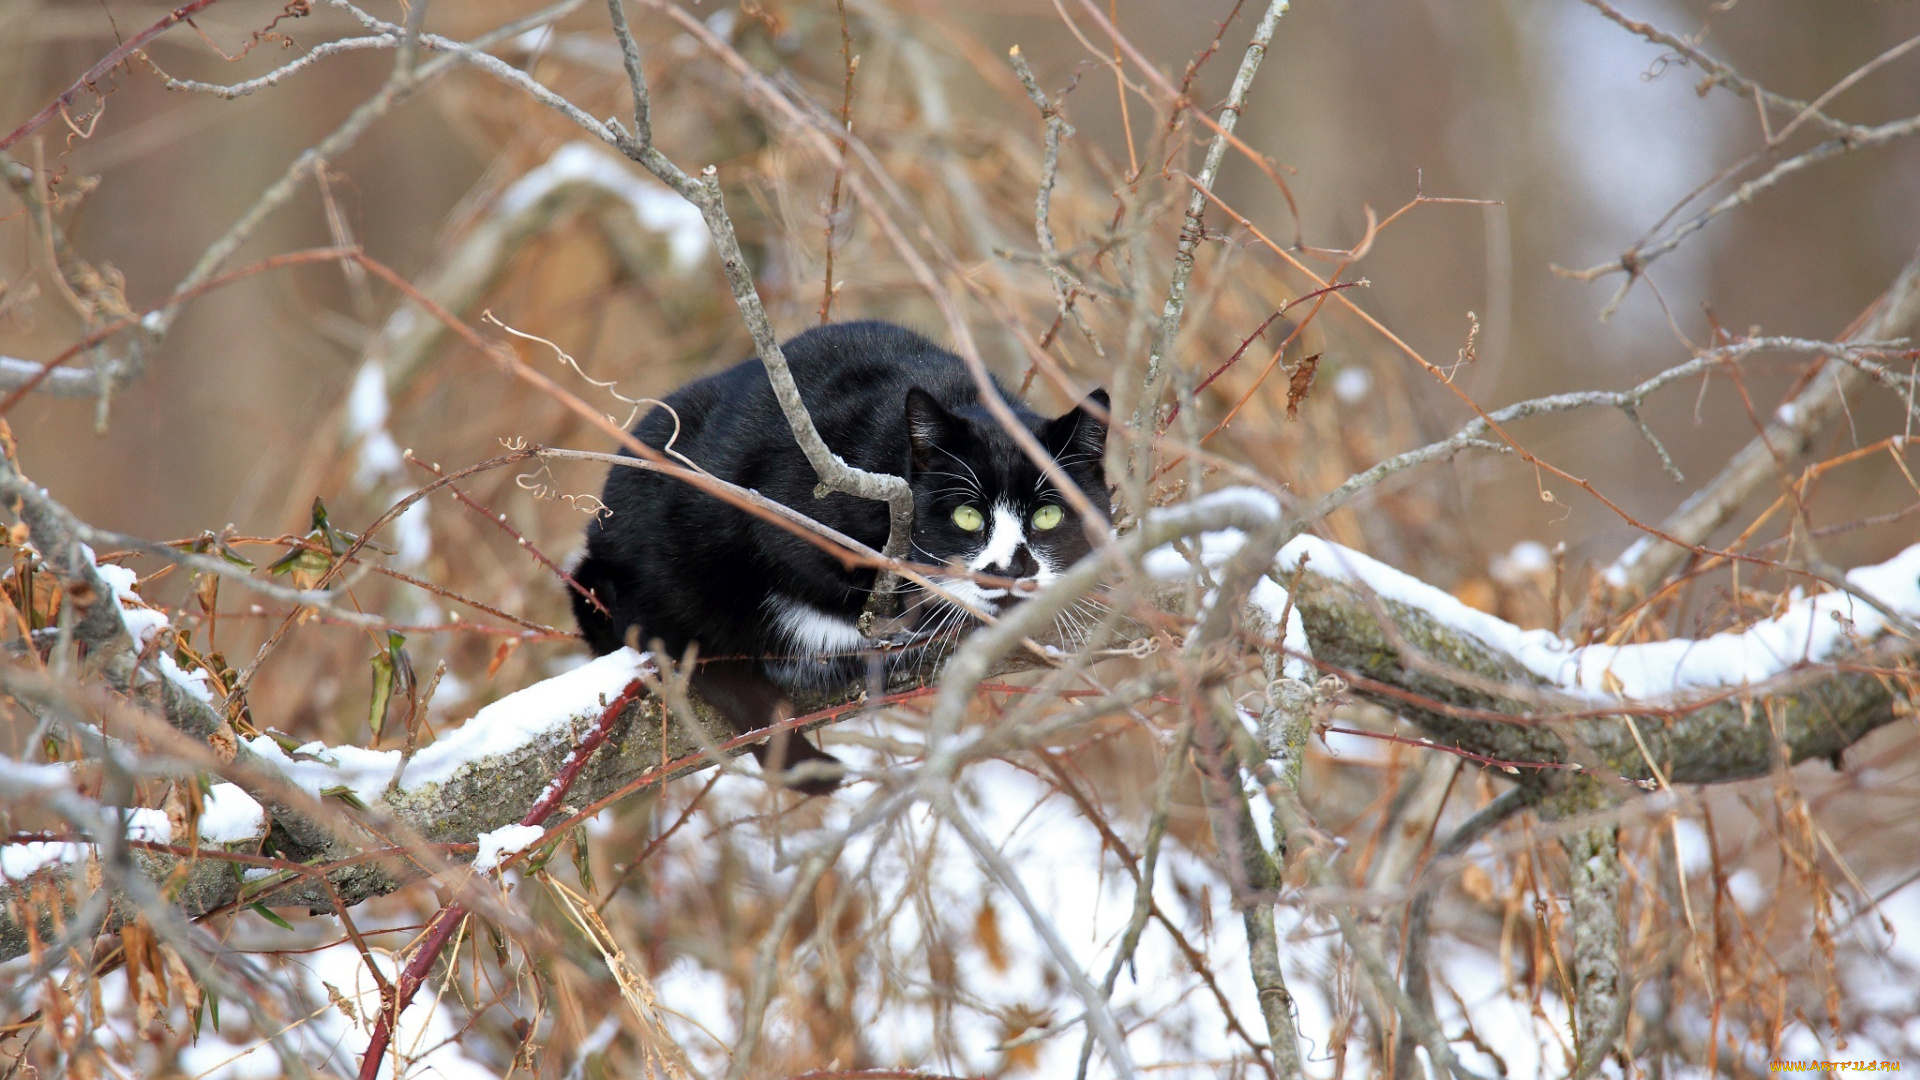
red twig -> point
(107, 63)
(448, 919)
(1249, 339)
(500, 522)
(667, 769)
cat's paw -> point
(792, 762)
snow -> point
(412, 536)
(367, 407)
(1809, 631)
(1747, 891)
(144, 624)
(1271, 599)
(1696, 854)
(21, 861)
(533, 40)
(544, 711)
(20, 779)
(378, 455)
(1528, 558)
(1267, 595)
(149, 826)
(658, 209)
(1616, 575)
(1071, 877)
(229, 815)
(1352, 384)
(505, 841)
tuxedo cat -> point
(771, 612)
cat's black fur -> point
(771, 612)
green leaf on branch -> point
(392, 676)
(266, 913)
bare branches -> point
(1789, 433)
(636, 78)
(1635, 262)
(1099, 1016)
(1146, 410)
(1845, 138)
(103, 66)
(1600, 1003)
(273, 78)
(1477, 699)
(1291, 819)
(1723, 74)
(1064, 283)
(1014, 855)
(1418, 978)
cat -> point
(771, 613)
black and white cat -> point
(771, 612)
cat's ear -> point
(1081, 431)
(929, 426)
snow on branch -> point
(1810, 631)
(1467, 677)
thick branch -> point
(1460, 689)
(1599, 1009)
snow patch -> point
(533, 40)
(1747, 891)
(19, 862)
(331, 1043)
(505, 841)
(412, 536)
(1516, 567)
(1809, 631)
(1273, 600)
(229, 815)
(144, 624)
(658, 209)
(545, 710)
(378, 455)
(1352, 384)
(149, 826)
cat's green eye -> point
(1048, 517)
(969, 518)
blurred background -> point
(1571, 137)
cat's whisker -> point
(950, 618)
(958, 460)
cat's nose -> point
(1022, 565)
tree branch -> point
(1789, 434)
(1153, 383)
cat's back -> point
(853, 378)
(871, 358)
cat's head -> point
(983, 506)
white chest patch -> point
(1005, 538)
(813, 632)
